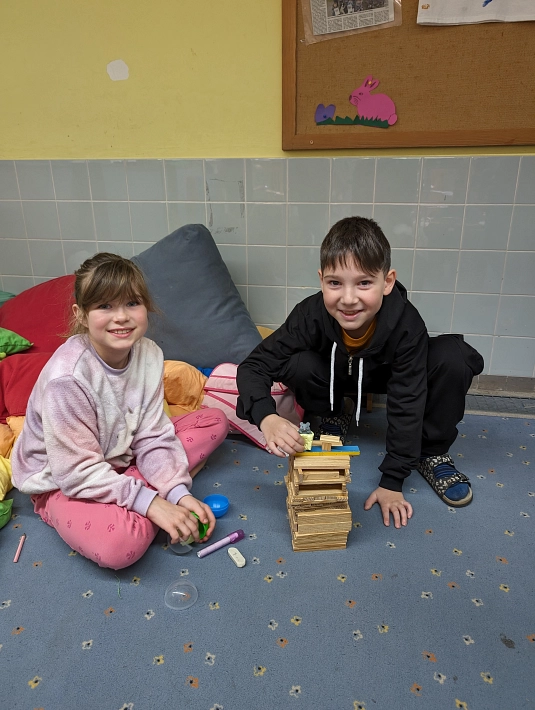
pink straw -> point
(19, 548)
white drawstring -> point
(331, 384)
(359, 391)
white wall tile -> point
(461, 229)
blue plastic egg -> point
(218, 504)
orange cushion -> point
(7, 439)
(183, 386)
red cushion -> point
(41, 314)
(18, 375)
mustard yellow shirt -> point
(353, 345)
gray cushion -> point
(204, 321)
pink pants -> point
(114, 536)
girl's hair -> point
(359, 240)
(104, 278)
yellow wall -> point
(204, 80)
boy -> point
(361, 334)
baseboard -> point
(503, 386)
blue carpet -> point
(438, 615)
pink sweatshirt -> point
(84, 420)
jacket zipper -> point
(350, 365)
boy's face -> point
(353, 297)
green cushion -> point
(5, 511)
(11, 343)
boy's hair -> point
(104, 278)
(356, 239)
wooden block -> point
(324, 469)
(320, 483)
(319, 515)
(326, 442)
(305, 504)
(319, 541)
(320, 521)
(340, 516)
(325, 460)
(309, 502)
(302, 472)
(297, 547)
(320, 490)
(311, 507)
(316, 493)
(307, 507)
(328, 439)
(321, 471)
(325, 476)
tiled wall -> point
(462, 229)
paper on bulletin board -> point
(467, 12)
(330, 19)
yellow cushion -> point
(5, 477)
(264, 332)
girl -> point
(97, 453)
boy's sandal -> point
(441, 485)
(336, 425)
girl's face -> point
(113, 328)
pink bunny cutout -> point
(373, 106)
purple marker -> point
(233, 537)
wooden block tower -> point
(318, 509)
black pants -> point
(451, 365)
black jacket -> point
(398, 347)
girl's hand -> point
(174, 519)
(202, 510)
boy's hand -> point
(390, 502)
(177, 520)
(282, 437)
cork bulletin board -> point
(467, 85)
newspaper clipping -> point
(330, 16)
(465, 12)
